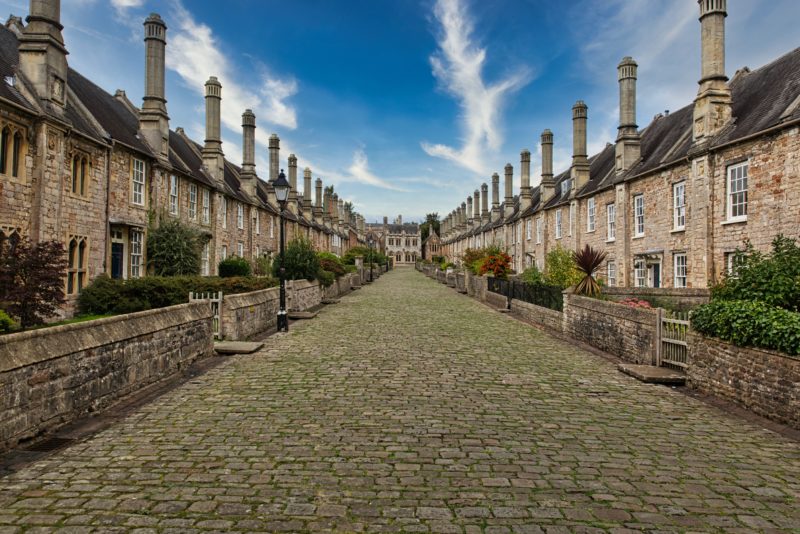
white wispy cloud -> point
(359, 172)
(121, 5)
(458, 67)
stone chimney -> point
(293, 181)
(628, 149)
(579, 173)
(213, 158)
(509, 198)
(274, 157)
(385, 221)
(469, 213)
(42, 55)
(548, 186)
(476, 208)
(495, 197)
(525, 177)
(485, 217)
(400, 219)
(248, 174)
(340, 213)
(712, 107)
(318, 201)
(326, 207)
(307, 193)
(153, 118)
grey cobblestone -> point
(410, 408)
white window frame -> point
(239, 216)
(224, 253)
(571, 219)
(206, 206)
(736, 191)
(272, 227)
(679, 206)
(638, 215)
(136, 238)
(679, 263)
(558, 224)
(539, 230)
(240, 249)
(590, 215)
(173, 194)
(258, 222)
(193, 202)
(528, 229)
(640, 273)
(566, 185)
(611, 274)
(204, 260)
(137, 182)
(611, 222)
(224, 212)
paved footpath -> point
(411, 408)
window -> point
(611, 218)
(638, 215)
(224, 252)
(640, 273)
(566, 185)
(138, 182)
(272, 227)
(732, 262)
(15, 150)
(136, 252)
(173, 195)
(193, 202)
(737, 192)
(679, 206)
(612, 274)
(4, 138)
(680, 270)
(258, 222)
(240, 249)
(528, 229)
(590, 209)
(558, 224)
(239, 216)
(224, 212)
(204, 260)
(206, 206)
(78, 251)
(79, 164)
(539, 230)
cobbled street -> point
(408, 407)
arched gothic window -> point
(78, 250)
(80, 167)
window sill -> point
(738, 220)
(638, 236)
(590, 231)
(677, 230)
(612, 240)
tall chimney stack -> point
(307, 193)
(579, 173)
(274, 156)
(293, 181)
(42, 55)
(525, 178)
(248, 174)
(628, 148)
(213, 157)
(548, 186)
(476, 208)
(318, 200)
(485, 203)
(495, 215)
(509, 183)
(712, 107)
(469, 213)
(153, 118)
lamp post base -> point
(283, 321)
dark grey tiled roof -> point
(9, 59)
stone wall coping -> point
(767, 352)
(638, 315)
(535, 307)
(658, 291)
(34, 346)
(251, 298)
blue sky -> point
(407, 105)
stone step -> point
(295, 315)
(237, 347)
(651, 374)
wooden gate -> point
(674, 349)
(215, 300)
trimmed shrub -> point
(326, 278)
(234, 266)
(533, 276)
(498, 265)
(174, 248)
(561, 268)
(262, 266)
(369, 255)
(331, 263)
(749, 323)
(299, 261)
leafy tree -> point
(262, 266)
(32, 280)
(588, 260)
(174, 248)
(369, 255)
(498, 265)
(299, 262)
(560, 268)
(431, 221)
(234, 266)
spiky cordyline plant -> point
(588, 260)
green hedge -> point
(234, 266)
(749, 323)
(109, 296)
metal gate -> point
(674, 349)
(215, 299)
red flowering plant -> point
(633, 302)
(497, 265)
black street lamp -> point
(282, 186)
(370, 242)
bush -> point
(498, 265)
(473, 257)
(262, 266)
(633, 302)
(6, 323)
(587, 261)
(109, 296)
(174, 248)
(749, 323)
(369, 255)
(234, 266)
(326, 278)
(772, 278)
(331, 263)
(299, 261)
(560, 268)
(533, 276)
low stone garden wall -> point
(539, 315)
(52, 376)
(665, 297)
(461, 282)
(248, 314)
(763, 381)
(628, 333)
(303, 295)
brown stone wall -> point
(302, 295)
(52, 376)
(763, 381)
(620, 330)
(247, 314)
(538, 315)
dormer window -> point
(566, 185)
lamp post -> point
(282, 187)
(371, 258)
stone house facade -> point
(403, 241)
(92, 170)
(669, 203)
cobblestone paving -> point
(411, 408)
